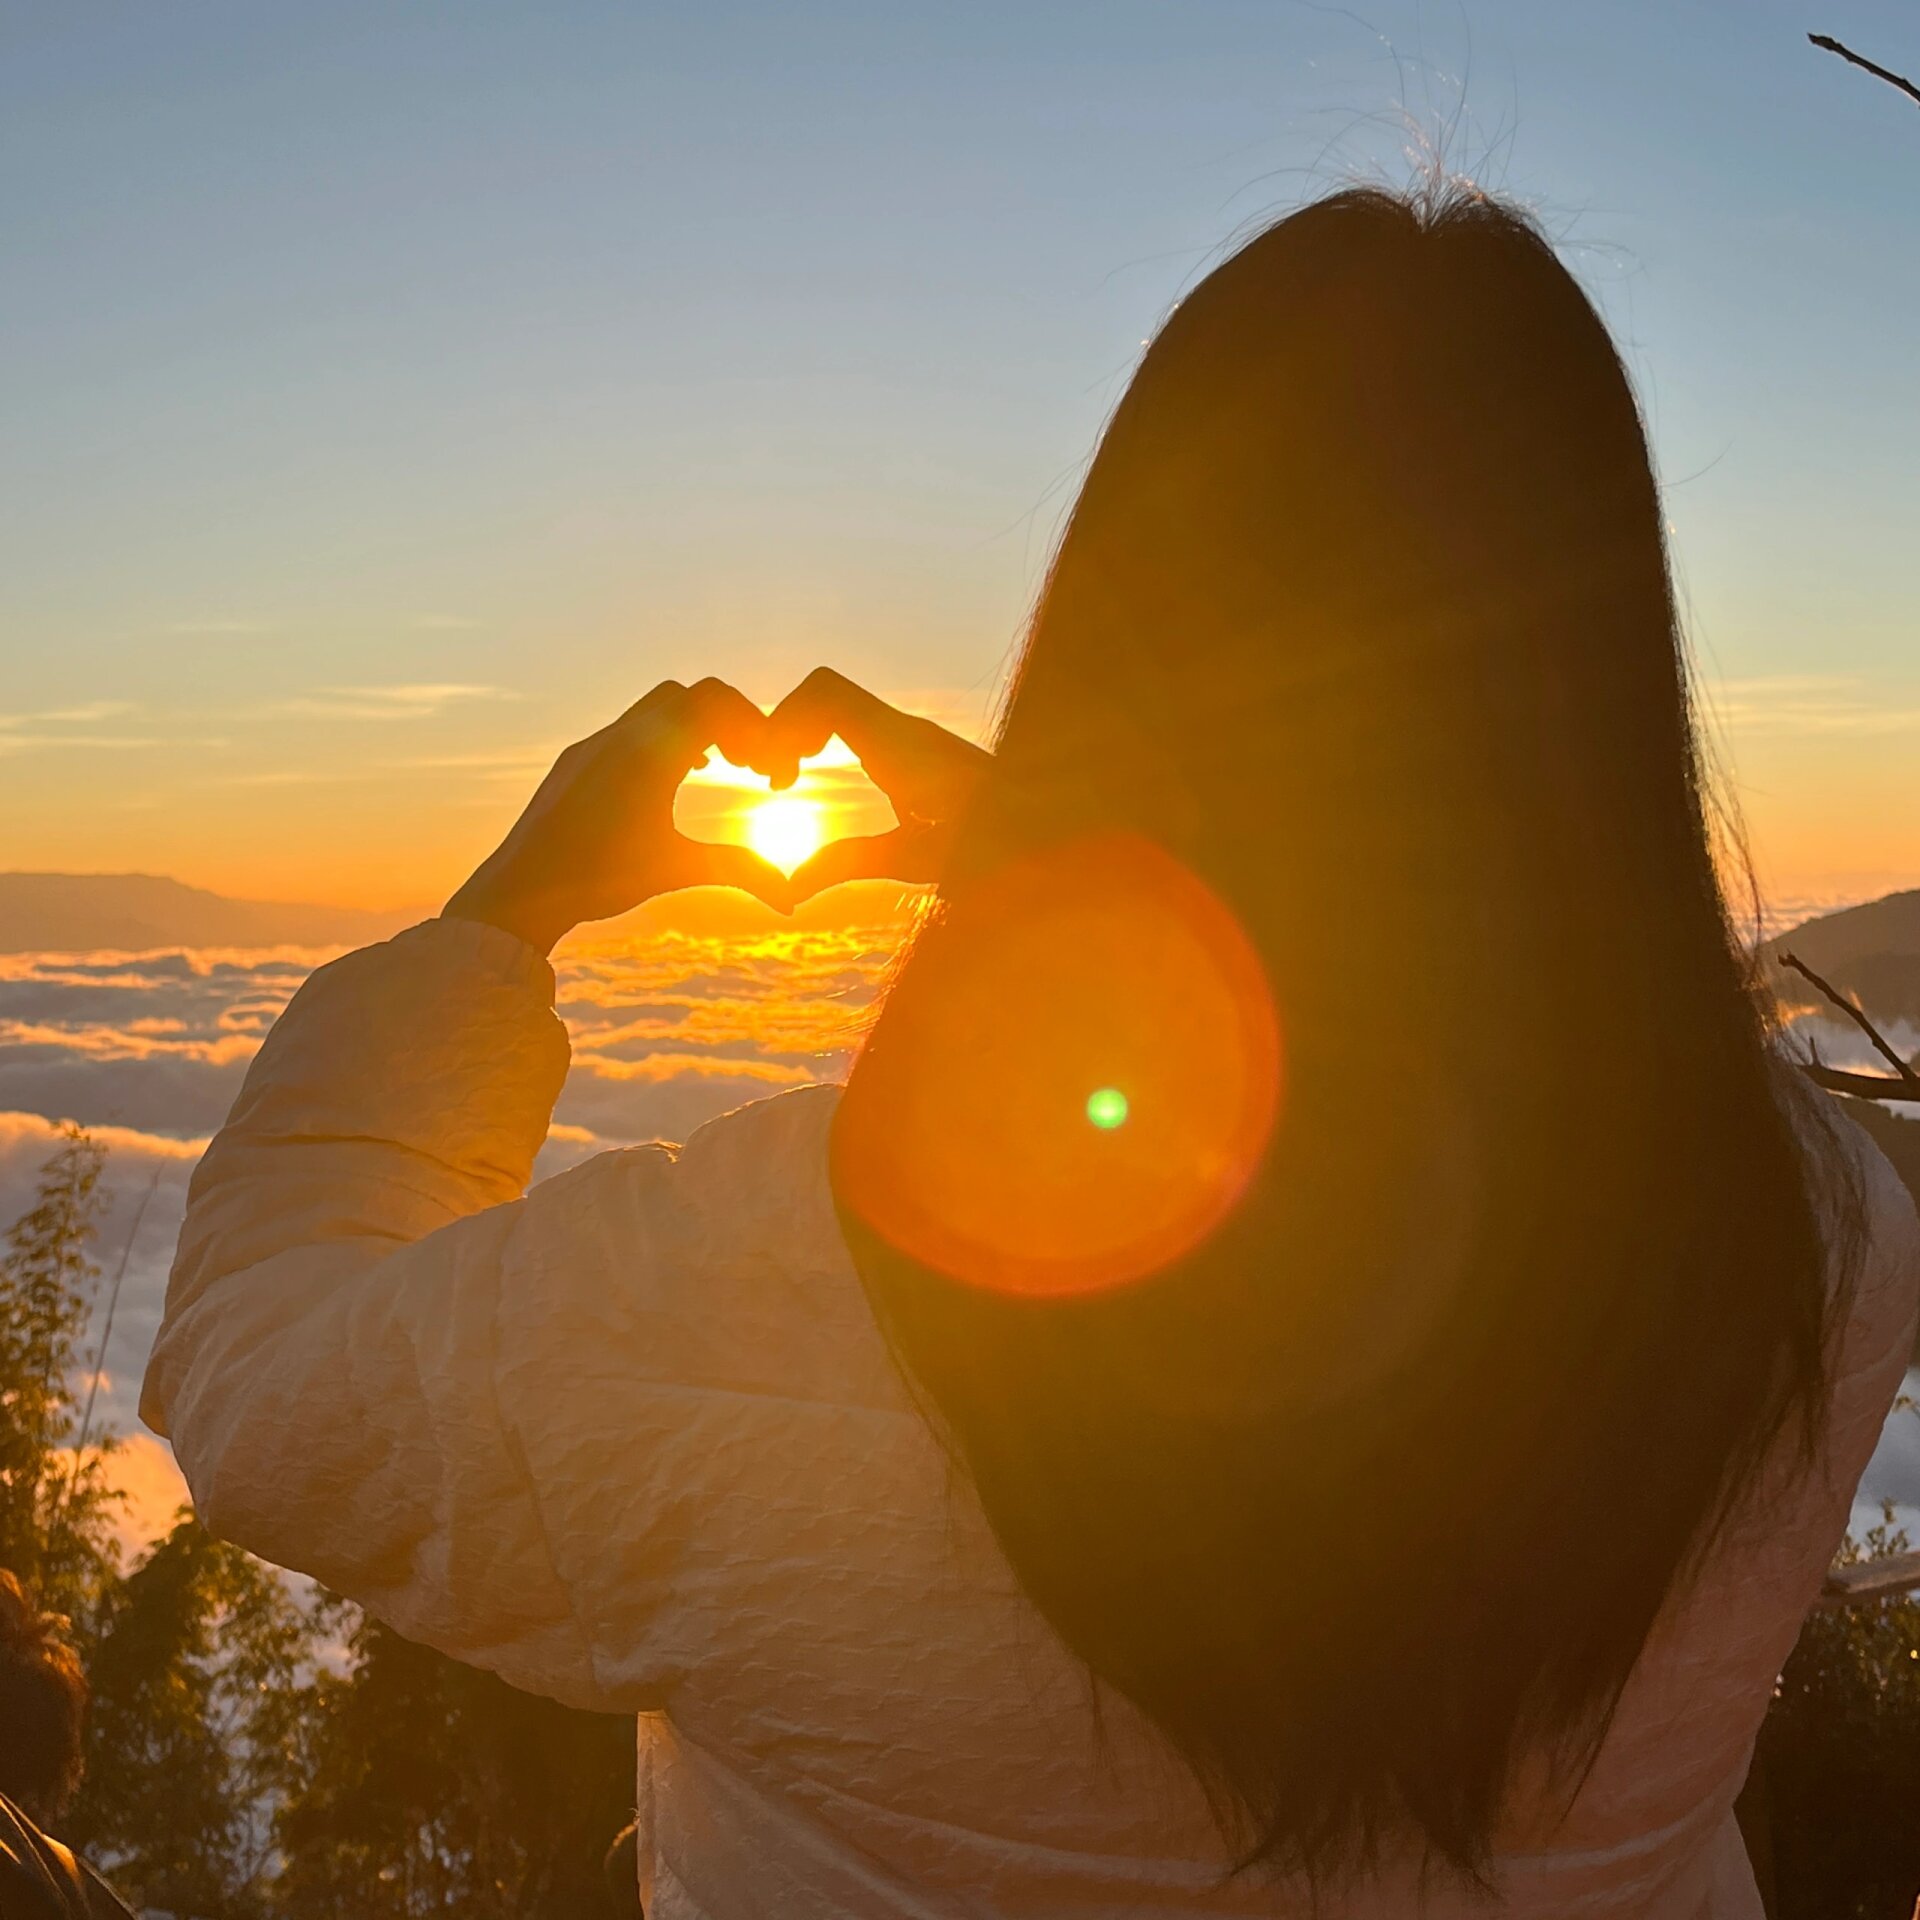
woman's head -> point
(1373, 529)
(1372, 1478)
(43, 1702)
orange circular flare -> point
(1078, 1089)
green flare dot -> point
(1106, 1108)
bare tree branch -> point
(1863, 1086)
(1827, 44)
(1909, 1079)
(106, 1334)
(1870, 1580)
(113, 1307)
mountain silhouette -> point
(1871, 951)
(136, 912)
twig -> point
(106, 1334)
(1881, 1045)
(1863, 1086)
(1870, 1580)
(1827, 44)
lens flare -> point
(784, 830)
(1074, 1080)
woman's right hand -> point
(927, 774)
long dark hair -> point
(1372, 1482)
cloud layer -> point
(669, 1028)
(146, 1180)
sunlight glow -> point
(785, 830)
(733, 806)
(1107, 1108)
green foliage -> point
(199, 1695)
(233, 1773)
(55, 1512)
(433, 1788)
(1840, 1754)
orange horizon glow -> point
(1828, 822)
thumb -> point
(902, 853)
(709, 863)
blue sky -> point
(394, 391)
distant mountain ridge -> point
(137, 912)
(1871, 951)
(1890, 924)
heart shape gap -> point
(832, 799)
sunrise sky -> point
(395, 392)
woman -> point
(1319, 1357)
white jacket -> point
(632, 1440)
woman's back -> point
(680, 1473)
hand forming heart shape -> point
(926, 773)
(598, 837)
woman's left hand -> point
(598, 838)
(927, 774)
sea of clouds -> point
(669, 1029)
(147, 1051)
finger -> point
(722, 716)
(903, 853)
(711, 863)
(649, 707)
(826, 703)
(710, 713)
(653, 701)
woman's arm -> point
(328, 1366)
(377, 1348)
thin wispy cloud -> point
(1808, 703)
(66, 716)
(41, 743)
(966, 711)
(407, 701)
(507, 761)
(53, 728)
(223, 629)
(292, 777)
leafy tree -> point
(200, 1688)
(434, 1788)
(194, 1657)
(1841, 1757)
(55, 1511)
(230, 1776)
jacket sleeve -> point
(327, 1368)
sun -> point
(784, 830)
